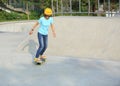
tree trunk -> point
(119, 6)
(104, 5)
(27, 11)
(79, 5)
(88, 7)
(62, 7)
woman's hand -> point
(53, 30)
(31, 32)
(54, 34)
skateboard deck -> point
(40, 62)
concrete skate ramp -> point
(85, 37)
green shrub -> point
(13, 16)
(34, 15)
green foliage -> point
(34, 15)
(35, 7)
(4, 16)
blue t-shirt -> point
(44, 25)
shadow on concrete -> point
(32, 47)
(29, 46)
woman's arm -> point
(35, 25)
(53, 30)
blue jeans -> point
(43, 43)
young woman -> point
(44, 22)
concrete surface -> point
(81, 62)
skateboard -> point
(42, 60)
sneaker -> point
(35, 59)
(43, 59)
